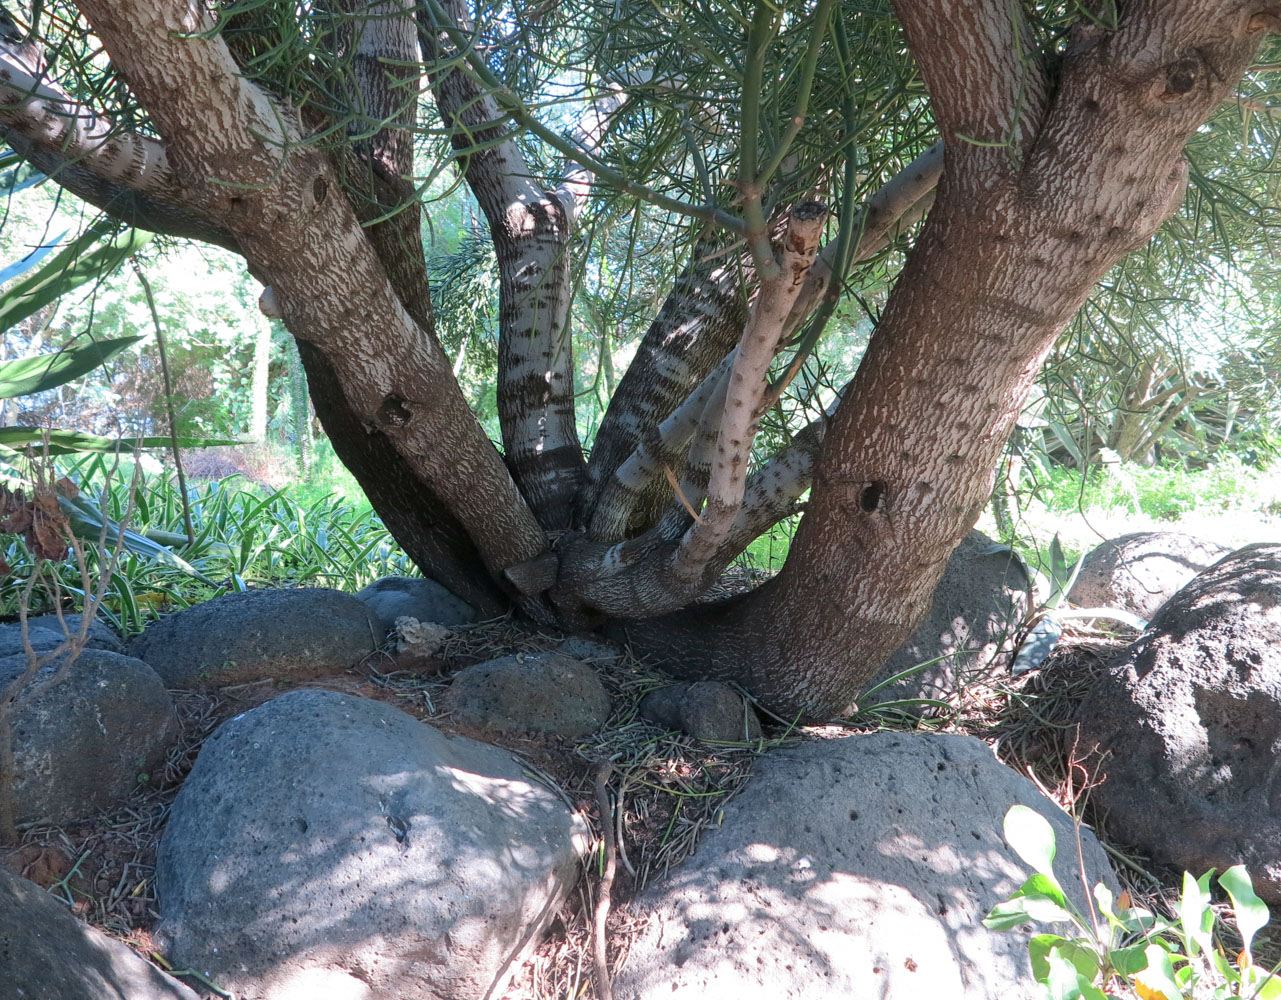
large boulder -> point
(327, 845)
(857, 867)
(970, 629)
(395, 597)
(47, 954)
(100, 635)
(529, 693)
(235, 638)
(83, 743)
(1191, 722)
(1141, 571)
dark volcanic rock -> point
(236, 638)
(706, 710)
(83, 743)
(1191, 720)
(529, 692)
(969, 630)
(395, 597)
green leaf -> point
(87, 522)
(72, 267)
(74, 442)
(1042, 946)
(1039, 898)
(1065, 981)
(1251, 912)
(1129, 961)
(1196, 919)
(28, 375)
(1156, 981)
(1032, 838)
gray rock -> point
(81, 744)
(235, 638)
(590, 649)
(857, 867)
(331, 846)
(101, 635)
(395, 597)
(971, 625)
(529, 692)
(1141, 571)
(47, 954)
(706, 710)
(46, 633)
(1191, 720)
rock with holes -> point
(1191, 722)
(47, 954)
(969, 632)
(706, 710)
(855, 867)
(1141, 571)
(238, 638)
(332, 846)
(529, 693)
(395, 597)
(86, 736)
(46, 633)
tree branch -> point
(531, 229)
(987, 82)
(242, 158)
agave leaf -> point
(32, 259)
(87, 522)
(75, 264)
(74, 442)
(46, 371)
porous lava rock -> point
(326, 845)
(1190, 721)
(969, 631)
(237, 638)
(1141, 571)
(395, 597)
(854, 867)
(84, 742)
(47, 954)
(529, 693)
(706, 710)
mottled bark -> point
(242, 160)
(530, 227)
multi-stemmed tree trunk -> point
(1052, 165)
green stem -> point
(821, 18)
(750, 186)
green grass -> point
(244, 538)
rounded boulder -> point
(329, 845)
(238, 638)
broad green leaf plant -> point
(1126, 945)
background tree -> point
(781, 147)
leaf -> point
(1251, 912)
(1039, 898)
(1042, 946)
(75, 264)
(87, 522)
(29, 375)
(1129, 961)
(1037, 645)
(1032, 838)
(1195, 916)
(1065, 981)
(74, 442)
(1156, 981)
(30, 260)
